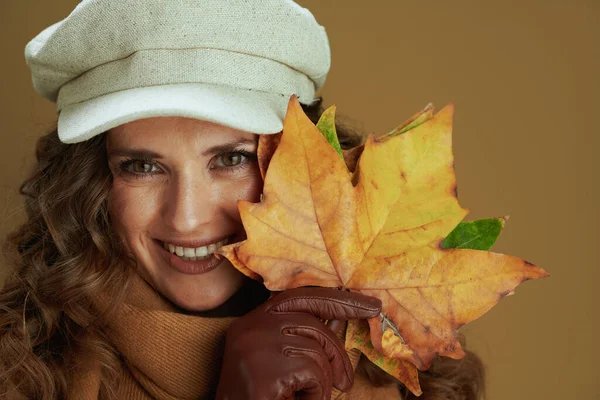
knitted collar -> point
(167, 354)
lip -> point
(192, 267)
(187, 267)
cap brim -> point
(250, 111)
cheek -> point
(248, 189)
(251, 189)
(131, 209)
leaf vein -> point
(413, 316)
(462, 245)
(295, 239)
(310, 186)
(295, 262)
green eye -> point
(142, 167)
(231, 159)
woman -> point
(115, 292)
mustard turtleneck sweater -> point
(169, 355)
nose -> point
(191, 202)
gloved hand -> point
(281, 350)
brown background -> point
(522, 75)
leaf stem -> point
(388, 323)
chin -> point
(204, 292)
(199, 303)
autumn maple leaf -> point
(374, 220)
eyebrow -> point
(145, 153)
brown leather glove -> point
(281, 350)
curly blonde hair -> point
(62, 256)
(65, 254)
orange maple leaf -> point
(375, 229)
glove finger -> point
(294, 364)
(333, 349)
(325, 303)
(297, 346)
(310, 378)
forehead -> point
(175, 130)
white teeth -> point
(188, 253)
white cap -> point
(232, 62)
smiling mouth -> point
(199, 253)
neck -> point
(247, 298)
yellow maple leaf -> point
(375, 228)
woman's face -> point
(176, 183)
